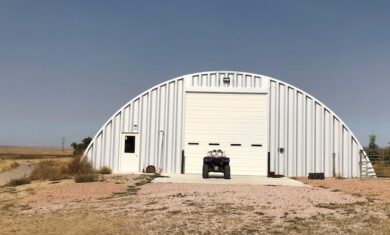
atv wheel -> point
(227, 172)
(205, 172)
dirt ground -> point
(128, 204)
(376, 188)
(23, 169)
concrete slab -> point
(216, 178)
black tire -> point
(205, 172)
(227, 172)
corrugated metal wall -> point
(309, 132)
(313, 138)
(157, 115)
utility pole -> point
(63, 144)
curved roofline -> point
(226, 71)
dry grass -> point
(382, 169)
(85, 178)
(18, 152)
(68, 223)
(50, 169)
(79, 165)
(35, 150)
(19, 181)
(63, 169)
(6, 165)
(104, 170)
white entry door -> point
(233, 122)
(129, 152)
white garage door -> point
(233, 122)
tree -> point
(79, 148)
(373, 148)
(387, 154)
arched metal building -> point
(264, 125)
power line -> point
(63, 144)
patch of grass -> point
(331, 206)
(25, 207)
(5, 189)
(79, 165)
(20, 181)
(118, 193)
(192, 203)
(155, 209)
(85, 178)
(340, 178)
(225, 208)
(14, 165)
(382, 169)
(49, 170)
(55, 182)
(247, 208)
(146, 179)
(334, 206)
(335, 190)
(7, 206)
(179, 195)
(151, 203)
(6, 165)
(175, 212)
(105, 171)
(142, 180)
(55, 170)
(132, 189)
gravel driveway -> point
(122, 203)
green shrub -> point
(80, 165)
(20, 181)
(83, 178)
(105, 171)
(49, 170)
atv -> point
(216, 161)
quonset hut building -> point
(264, 125)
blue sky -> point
(66, 66)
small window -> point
(257, 145)
(193, 143)
(216, 144)
(235, 144)
(130, 144)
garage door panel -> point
(227, 119)
(244, 102)
(204, 133)
(212, 113)
(226, 140)
(220, 125)
(233, 117)
(223, 126)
